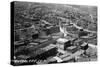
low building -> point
(52, 30)
(35, 36)
(72, 49)
(44, 53)
(84, 46)
(67, 44)
(61, 42)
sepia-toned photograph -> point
(52, 33)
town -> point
(60, 41)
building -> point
(61, 42)
(51, 30)
(67, 44)
(44, 53)
(84, 46)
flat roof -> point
(58, 59)
(49, 47)
(62, 40)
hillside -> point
(29, 14)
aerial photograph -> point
(51, 33)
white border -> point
(5, 32)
